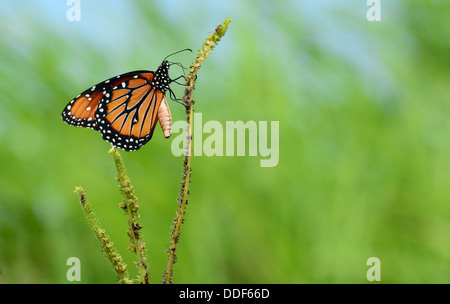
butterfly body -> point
(124, 108)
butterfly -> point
(126, 108)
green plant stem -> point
(108, 246)
(130, 205)
(207, 48)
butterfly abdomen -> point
(165, 118)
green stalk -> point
(130, 205)
(108, 246)
(207, 48)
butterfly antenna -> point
(177, 53)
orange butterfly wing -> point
(80, 111)
(124, 109)
(129, 113)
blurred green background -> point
(364, 141)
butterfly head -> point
(162, 79)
